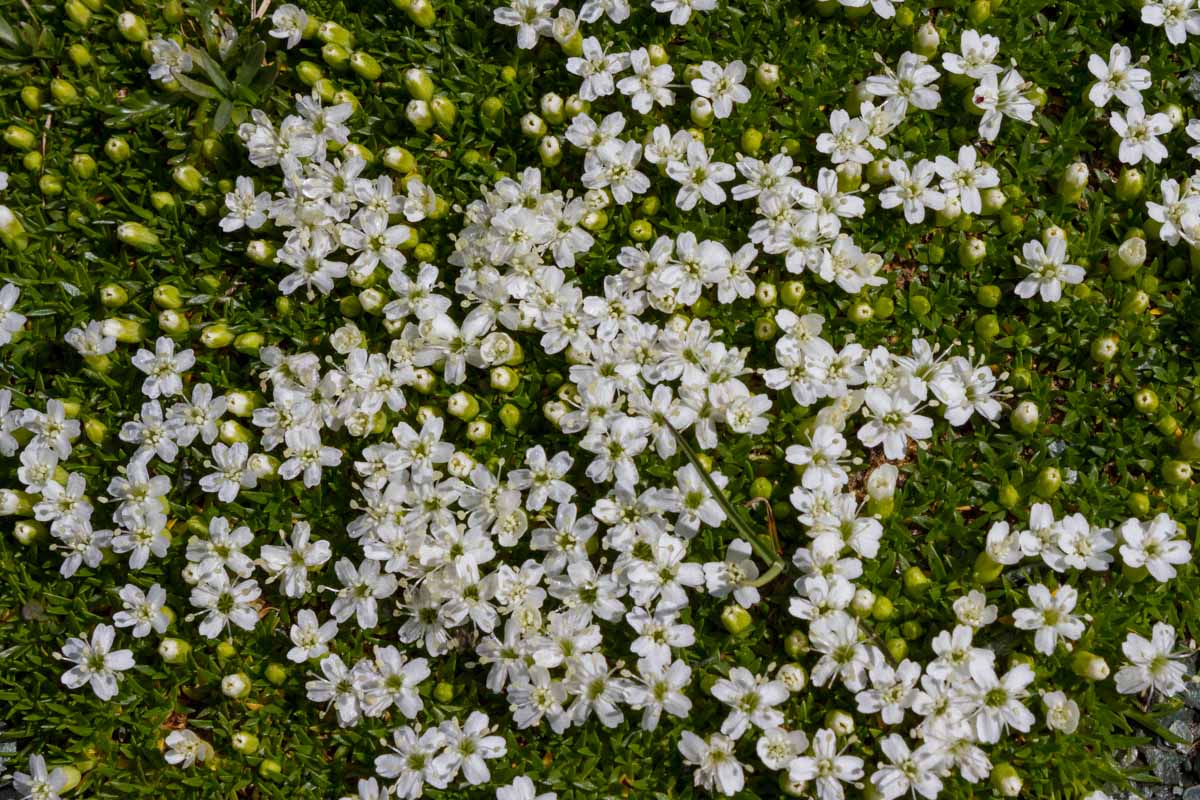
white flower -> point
(660, 686)
(717, 768)
(822, 470)
(1048, 270)
(681, 10)
(361, 590)
(163, 368)
(143, 611)
(963, 179)
(411, 762)
(777, 747)
(752, 700)
(90, 340)
(1178, 214)
(913, 83)
(1152, 664)
(913, 771)
(996, 701)
(293, 560)
(974, 611)
(522, 788)
(1062, 713)
(648, 85)
(699, 176)
(305, 454)
(1117, 78)
(1177, 17)
(1001, 98)
(735, 574)
(613, 165)
(894, 420)
(912, 190)
(531, 18)
(170, 59)
(232, 471)
(884, 8)
(185, 748)
(1157, 546)
(722, 86)
(466, 748)
(1139, 134)
(845, 139)
(225, 603)
(290, 22)
(827, 767)
(95, 662)
(1050, 617)
(310, 639)
(38, 784)
(246, 209)
(10, 321)
(598, 70)
(978, 53)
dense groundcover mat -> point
(616, 399)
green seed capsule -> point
(31, 96)
(792, 293)
(32, 161)
(422, 13)
(335, 56)
(1074, 182)
(988, 296)
(1130, 184)
(162, 201)
(1177, 472)
(762, 487)
(270, 769)
(752, 140)
(1104, 348)
(919, 305)
(419, 115)
(971, 252)
(1025, 417)
(640, 230)
(50, 185)
(83, 166)
(1145, 400)
(126, 331)
(861, 312)
(276, 674)
(331, 32)
(309, 73)
(796, 644)
(216, 336)
(987, 327)
(245, 743)
(1168, 426)
(765, 329)
(1008, 496)
(78, 13)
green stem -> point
(768, 576)
(762, 550)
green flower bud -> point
(1089, 666)
(766, 294)
(365, 66)
(443, 692)
(796, 644)
(702, 112)
(1025, 417)
(862, 603)
(423, 380)
(261, 252)
(83, 166)
(444, 111)
(1145, 400)
(78, 13)
(1128, 258)
(479, 431)
(766, 76)
(418, 114)
(658, 55)
(641, 230)
(1177, 473)
(751, 140)
(916, 582)
(231, 431)
(240, 403)
(19, 138)
(1074, 181)
(32, 161)
(1130, 184)
(63, 92)
(988, 296)
(979, 12)
(1006, 780)
(28, 532)
(95, 430)
(1008, 496)
(167, 296)
(883, 610)
(421, 13)
(926, 40)
(113, 295)
(117, 149)
(173, 322)
(309, 73)
(878, 171)
(270, 769)
(510, 417)
(276, 674)
(490, 108)
(533, 126)
(132, 27)
(80, 55)
(235, 685)
(325, 90)
(840, 722)
(762, 487)
(765, 329)
(861, 312)
(986, 569)
(1104, 348)
(187, 178)
(793, 676)
(462, 405)
(418, 84)
(174, 651)
(1048, 482)
(736, 619)
(138, 236)
(595, 220)
(792, 292)
(905, 17)
(245, 743)
(335, 56)
(12, 232)
(126, 331)
(31, 96)
(330, 31)
(971, 252)
(993, 200)
(504, 379)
